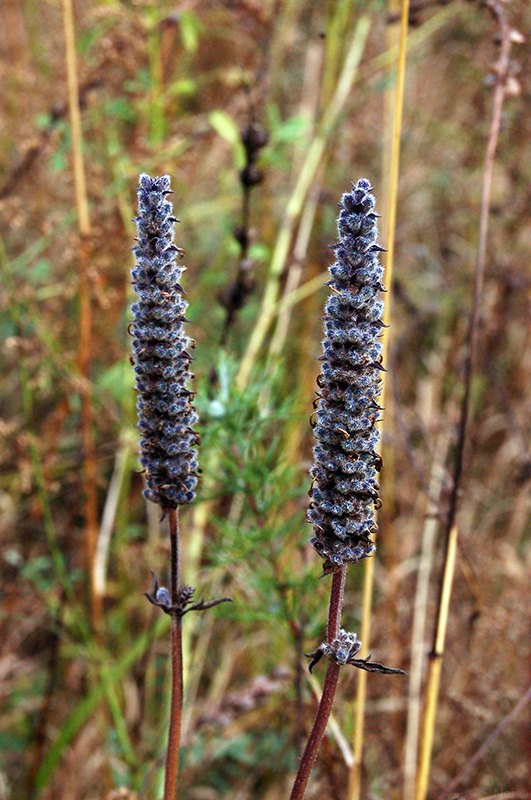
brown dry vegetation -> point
(85, 696)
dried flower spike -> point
(160, 348)
(345, 489)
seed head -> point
(160, 349)
(344, 489)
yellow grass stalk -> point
(85, 315)
(427, 552)
(435, 666)
(354, 785)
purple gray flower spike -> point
(160, 350)
(345, 489)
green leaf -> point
(227, 128)
(190, 30)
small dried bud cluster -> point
(254, 138)
(160, 596)
(160, 350)
(345, 489)
(343, 650)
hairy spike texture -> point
(160, 348)
(344, 489)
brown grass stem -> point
(85, 316)
(354, 785)
(176, 706)
(434, 674)
(502, 69)
(157, 119)
(329, 690)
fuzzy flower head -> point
(160, 353)
(345, 490)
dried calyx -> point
(160, 596)
(343, 650)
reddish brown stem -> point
(329, 690)
(174, 734)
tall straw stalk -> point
(85, 317)
(354, 786)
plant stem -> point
(329, 690)
(174, 734)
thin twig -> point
(24, 166)
(253, 138)
(329, 690)
(502, 69)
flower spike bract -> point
(345, 489)
(160, 348)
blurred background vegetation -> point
(167, 87)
